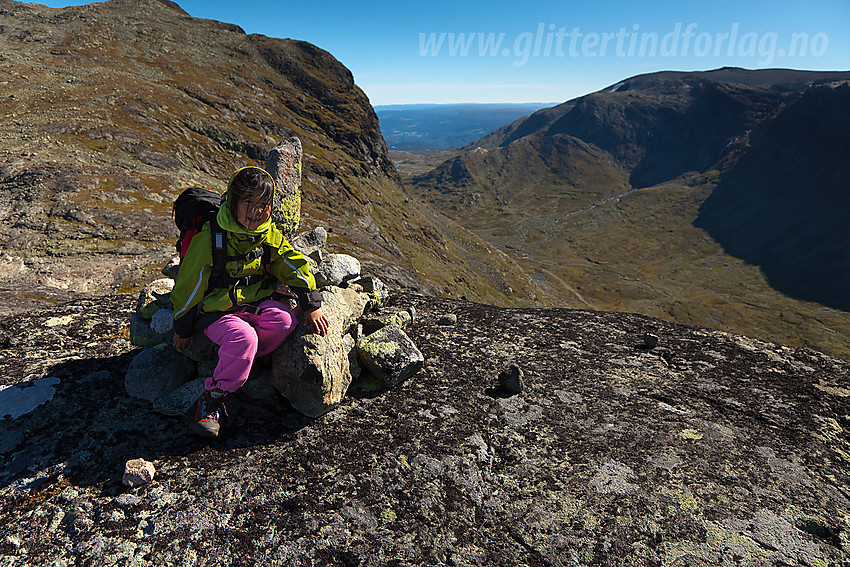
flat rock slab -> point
(709, 449)
(23, 398)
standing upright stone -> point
(284, 165)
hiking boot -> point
(209, 415)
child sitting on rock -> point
(235, 307)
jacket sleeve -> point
(292, 268)
(192, 282)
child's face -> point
(251, 214)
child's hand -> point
(181, 343)
(320, 322)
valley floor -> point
(640, 252)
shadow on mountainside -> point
(784, 206)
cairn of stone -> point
(313, 372)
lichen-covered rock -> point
(377, 290)
(710, 449)
(154, 296)
(401, 319)
(311, 242)
(172, 268)
(336, 269)
(180, 400)
(142, 335)
(314, 372)
(390, 355)
(284, 165)
(157, 371)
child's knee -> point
(234, 333)
(276, 315)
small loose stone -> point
(448, 319)
(511, 380)
(650, 340)
(138, 472)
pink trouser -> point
(241, 337)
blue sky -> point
(541, 51)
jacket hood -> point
(228, 222)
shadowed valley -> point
(714, 198)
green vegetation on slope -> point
(603, 197)
(115, 107)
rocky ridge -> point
(708, 448)
(114, 107)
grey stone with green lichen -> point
(153, 297)
(312, 371)
(143, 336)
(157, 371)
(284, 165)
(372, 283)
(371, 323)
(172, 268)
(377, 290)
(390, 355)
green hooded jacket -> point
(192, 296)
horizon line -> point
(465, 103)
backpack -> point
(192, 208)
(196, 206)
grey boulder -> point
(142, 335)
(313, 372)
(390, 355)
(181, 399)
(337, 268)
(157, 371)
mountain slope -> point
(785, 202)
(661, 125)
(115, 107)
(616, 214)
